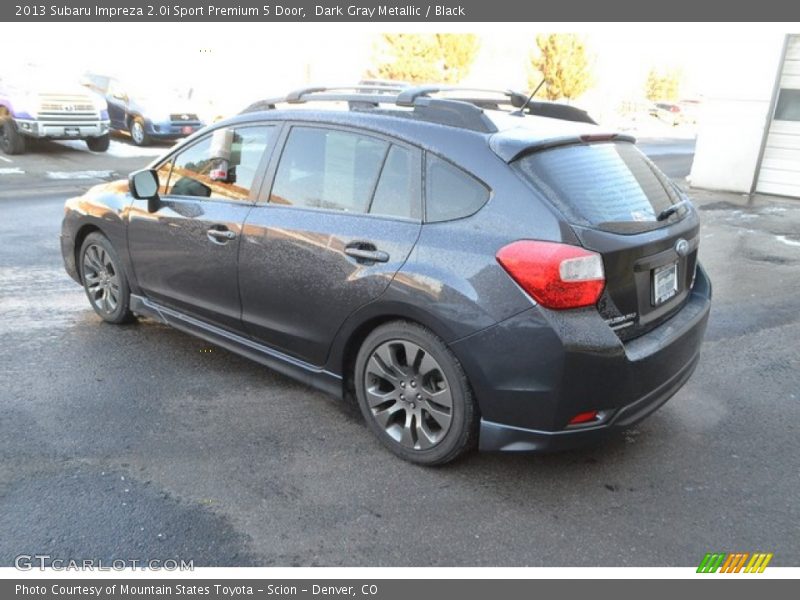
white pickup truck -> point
(38, 106)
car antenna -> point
(521, 111)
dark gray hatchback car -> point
(476, 268)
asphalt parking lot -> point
(140, 442)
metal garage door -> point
(780, 166)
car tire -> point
(11, 141)
(104, 279)
(420, 408)
(138, 133)
(98, 144)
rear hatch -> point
(621, 206)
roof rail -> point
(553, 110)
(409, 95)
(458, 111)
(296, 96)
(369, 96)
(385, 83)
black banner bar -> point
(409, 11)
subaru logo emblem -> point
(682, 247)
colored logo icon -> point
(734, 562)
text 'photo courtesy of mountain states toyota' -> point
(479, 270)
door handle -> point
(366, 252)
(220, 236)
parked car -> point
(38, 104)
(158, 113)
(669, 112)
(691, 110)
(474, 277)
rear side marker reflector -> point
(557, 276)
(584, 417)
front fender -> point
(103, 208)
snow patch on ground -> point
(118, 149)
(785, 240)
(12, 171)
(59, 302)
(122, 150)
(78, 174)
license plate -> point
(187, 130)
(665, 283)
(71, 131)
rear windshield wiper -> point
(671, 210)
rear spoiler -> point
(512, 144)
(555, 110)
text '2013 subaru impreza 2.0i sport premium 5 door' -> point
(477, 269)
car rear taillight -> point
(556, 275)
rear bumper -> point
(171, 130)
(506, 438)
(533, 372)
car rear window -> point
(608, 185)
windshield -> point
(610, 186)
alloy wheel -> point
(408, 394)
(101, 278)
(137, 132)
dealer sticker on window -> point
(665, 283)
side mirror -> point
(144, 186)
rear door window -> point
(328, 169)
(451, 193)
(610, 186)
(398, 191)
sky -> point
(243, 62)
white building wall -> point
(780, 164)
(735, 114)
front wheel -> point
(138, 133)
(414, 394)
(98, 144)
(104, 279)
(10, 139)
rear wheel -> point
(104, 279)
(98, 144)
(138, 134)
(10, 140)
(414, 394)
